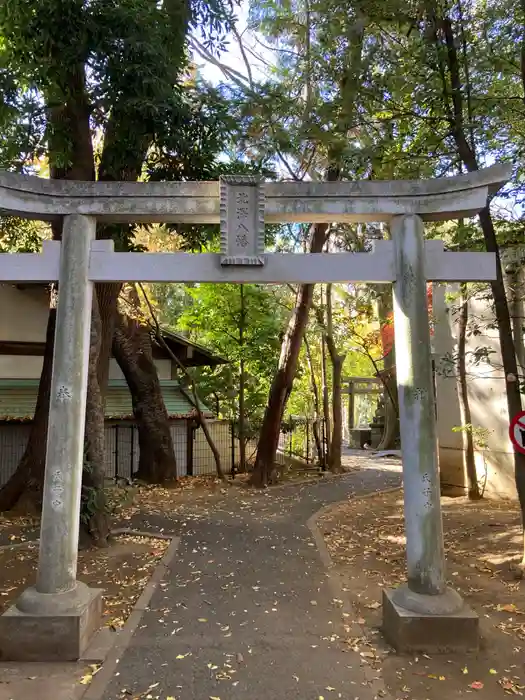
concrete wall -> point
(20, 367)
(163, 369)
(23, 314)
(23, 318)
(30, 367)
(486, 391)
(451, 458)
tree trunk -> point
(68, 128)
(337, 360)
(327, 446)
(391, 428)
(94, 515)
(466, 416)
(337, 411)
(133, 351)
(242, 428)
(264, 469)
(387, 376)
(68, 124)
(282, 384)
(517, 317)
(317, 411)
(107, 296)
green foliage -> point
(122, 61)
(105, 87)
(213, 315)
(21, 235)
(480, 435)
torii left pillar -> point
(55, 619)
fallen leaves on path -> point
(366, 540)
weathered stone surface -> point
(417, 419)
(59, 527)
(282, 268)
(106, 265)
(410, 632)
(446, 603)
(242, 220)
(198, 202)
(62, 636)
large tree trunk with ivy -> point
(132, 349)
(264, 469)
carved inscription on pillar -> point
(242, 220)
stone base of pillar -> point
(443, 627)
(49, 627)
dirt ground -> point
(125, 567)
(365, 538)
(122, 570)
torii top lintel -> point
(199, 202)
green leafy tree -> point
(101, 90)
(242, 323)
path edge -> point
(311, 523)
(336, 584)
(101, 680)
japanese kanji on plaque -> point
(242, 220)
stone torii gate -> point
(56, 618)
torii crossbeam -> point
(415, 615)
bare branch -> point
(244, 56)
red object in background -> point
(387, 330)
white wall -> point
(30, 367)
(23, 318)
(20, 367)
(23, 314)
(487, 399)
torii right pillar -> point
(424, 614)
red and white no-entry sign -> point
(517, 432)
